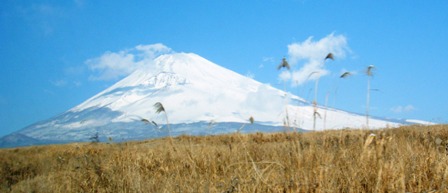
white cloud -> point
(313, 54)
(270, 98)
(113, 65)
(152, 50)
(284, 75)
(402, 109)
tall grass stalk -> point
(284, 64)
(159, 108)
(369, 74)
(342, 76)
(315, 105)
(325, 112)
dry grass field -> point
(406, 159)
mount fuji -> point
(199, 98)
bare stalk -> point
(159, 108)
(285, 64)
(368, 102)
(315, 104)
(369, 75)
(325, 112)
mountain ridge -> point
(193, 91)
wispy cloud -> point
(79, 3)
(268, 59)
(402, 109)
(74, 70)
(64, 83)
(251, 75)
(113, 65)
(265, 61)
(43, 16)
(59, 83)
(313, 54)
(48, 92)
(77, 83)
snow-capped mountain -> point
(199, 97)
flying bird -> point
(345, 75)
(284, 64)
(329, 56)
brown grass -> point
(407, 159)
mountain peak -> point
(192, 90)
(164, 79)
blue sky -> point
(46, 46)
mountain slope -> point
(199, 97)
(191, 89)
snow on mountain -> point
(419, 122)
(195, 93)
(191, 89)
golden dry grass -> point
(407, 159)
